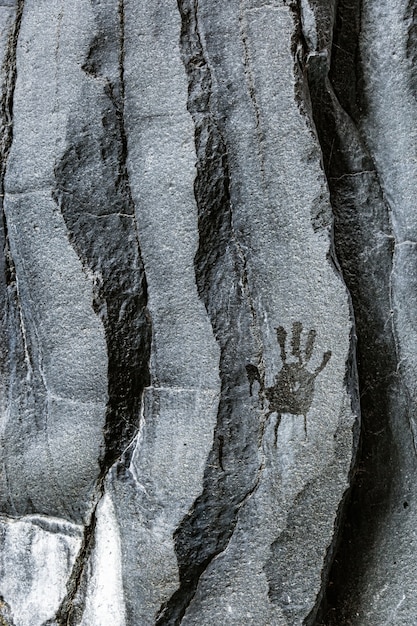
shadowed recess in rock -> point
(289, 593)
(219, 264)
(364, 247)
(94, 196)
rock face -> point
(204, 205)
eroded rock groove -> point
(364, 245)
(219, 263)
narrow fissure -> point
(71, 609)
(6, 139)
(6, 103)
(363, 244)
(233, 465)
(15, 361)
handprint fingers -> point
(282, 338)
(310, 345)
(297, 329)
(325, 360)
(293, 390)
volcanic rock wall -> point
(208, 373)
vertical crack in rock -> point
(320, 484)
(233, 467)
(247, 61)
(411, 17)
(94, 196)
(364, 246)
(6, 103)
(72, 606)
(15, 361)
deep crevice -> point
(411, 49)
(233, 466)
(363, 243)
(6, 103)
(307, 58)
(109, 248)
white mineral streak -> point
(309, 24)
(36, 558)
(167, 465)
(104, 601)
(277, 183)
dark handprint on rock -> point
(294, 385)
(293, 390)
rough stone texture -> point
(207, 296)
(37, 555)
(363, 99)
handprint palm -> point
(293, 390)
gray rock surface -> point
(204, 204)
(363, 99)
(37, 555)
